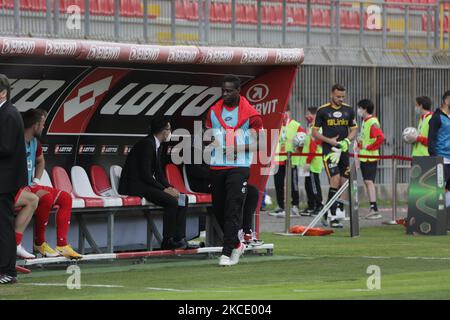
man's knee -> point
(64, 199)
(46, 200)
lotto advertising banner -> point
(101, 97)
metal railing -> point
(335, 23)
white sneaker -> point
(24, 254)
(236, 253)
(340, 214)
(278, 212)
(295, 212)
(224, 261)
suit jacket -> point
(13, 159)
(142, 169)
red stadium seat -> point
(354, 20)
(61, 181)
(102, 186)
(180, 11)
(174, 177)
(345, 19)
(191, 8)
(252, 14)
(240, 13)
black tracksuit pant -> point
(313, 191)
(229, 190)
(279, 186)
(7, 235)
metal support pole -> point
(331, 23)
(258, 31)
(145, 24)
(361, 24)
(17, 28)
(428, 28)
(56, 18)
(287, 194)
(308, 22)
(49, 17)
(338, 24)
(200, 21)
(394, 193)
(384, 26)
(283, 32)
(233, 21)
(87, 24)
(206, 20)
(116, 21)
(173, 17)
(110, 232)
(406, 42)
(436, 26)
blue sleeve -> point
(434, 126)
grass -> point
(331, 267)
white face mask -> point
(360, 113)
(168, 137)
(418, 111)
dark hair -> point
(30, 118)
(446, 94)
(5, 85)
(42, 112)
(158, 124)
(233, 79)
(425, 102)
(367, 105)
(338, 87)
(313, 110)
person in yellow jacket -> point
(369, 143)
(288, 131)
(314, 165)
(423, 108)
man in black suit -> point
(13, 176)
(143, 176)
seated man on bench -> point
(143, 176)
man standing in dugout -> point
(234, 123)
(339, 128)
(13, 176)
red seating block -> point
(175, 178)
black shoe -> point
(182, 244)
(307, 212)
(317, 210)
(5, 279)
(171, 244)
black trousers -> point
(174, 218)
(279, 186)
(251, 203)
(313, 190)
(7, 235)
(229, 190)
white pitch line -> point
(168, 289)
(65, 285)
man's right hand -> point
(333, 141)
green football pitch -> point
(330, 267)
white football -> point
(299, 139)
(410, 135)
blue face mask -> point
(418, 110)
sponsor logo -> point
(60, 48)
(254, 56)
(44, 148)
(103, 53)
(18, 46)
(218, 56)
(288, 56)
(257, 92)
(182, 55)
(127, 149)
(86, 149)
(63, 149)
(337, 114)
(109, 149)
(143, 54)
(149, 98)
